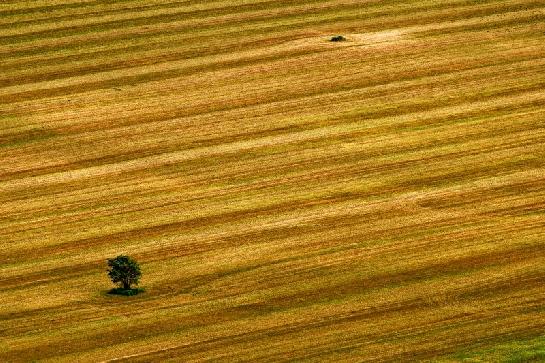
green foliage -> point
(337, 38)
(124, 271)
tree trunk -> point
(126, 285)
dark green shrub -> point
(338, 38)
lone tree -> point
(124, 271)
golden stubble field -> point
(289, 198)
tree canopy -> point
(124, 271)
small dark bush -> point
(125, 292)
(338, 38)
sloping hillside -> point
(289, 198)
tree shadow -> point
(125, 292)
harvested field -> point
(289, 198)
